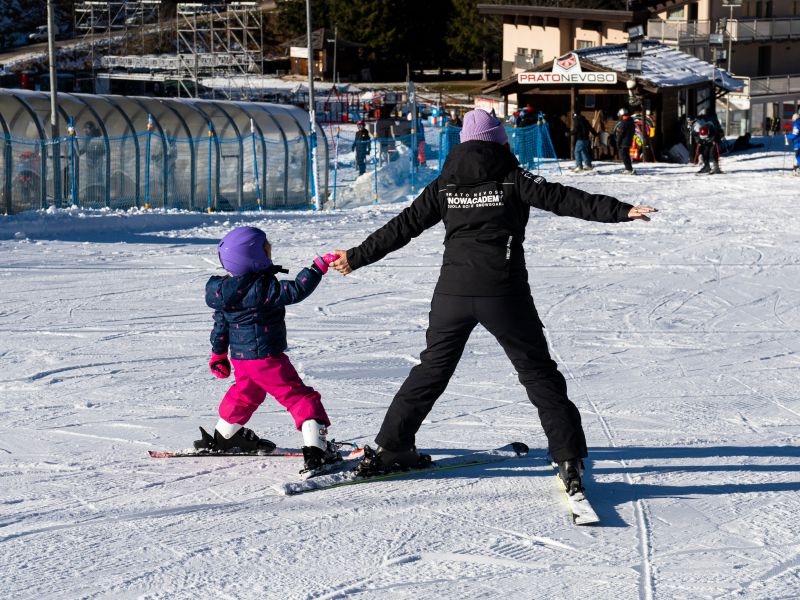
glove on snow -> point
(322, 262)
(220, 365)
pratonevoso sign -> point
(567, 70)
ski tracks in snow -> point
(646, 575)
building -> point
(333, 57)
(760, 44)
(594, 81)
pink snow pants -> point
(274, 375)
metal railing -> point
(738, 30)
(780, 85)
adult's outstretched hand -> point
(341, 264)
(640, 212)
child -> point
(249, 317)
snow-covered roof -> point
(662, 65)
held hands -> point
(220, 365)
(322, 262)
(340, 263)
(640, 212)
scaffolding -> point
(218, 41)
(116, 24)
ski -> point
(579, 506)
(346, 453)
(347, 476)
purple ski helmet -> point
(241, 251)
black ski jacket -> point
(582, 128)
(484, 199)
(625, 132)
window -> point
(676, 14)
(584, 44)
(522, 52)
(536, 57)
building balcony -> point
(780, 85)
(736, 30)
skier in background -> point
(384, 131)
(249, 320)
(707, 134)
(624, 133)
(581, 128)
(484, 199)
(361, 146)
(794, 137)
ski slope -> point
(678, 338)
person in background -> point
(625, 131)
(707, 133)
(581, 129)
(384, 132)
(361, 146)
(454, 120)
(794, 137)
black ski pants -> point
(625, 157)
(513, 321)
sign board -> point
(567, 70)
(298, 52)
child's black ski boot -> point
(244, 440)
(570, 472)
(315, 458)
(317, 450)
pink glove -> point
(323, 261)
(220, 365)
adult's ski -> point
(579, 506)
(350, 477)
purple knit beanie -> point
(480, 125)
(241, 251)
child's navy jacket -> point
(249, 313)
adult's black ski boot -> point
(380, 461)
(705, 170)
(570, 472)
(244, 440)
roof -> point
(320, 38)
(593, 14)
(636, 11)
(662, 67)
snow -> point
(678, 338)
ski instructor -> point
(484, 199)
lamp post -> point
(312, 132)
(731, 4)
(51, 52)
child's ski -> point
(347, 453)
(579, 506)
(349, 477)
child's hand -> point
(340, 263)
(220, 365)
(322, 262)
